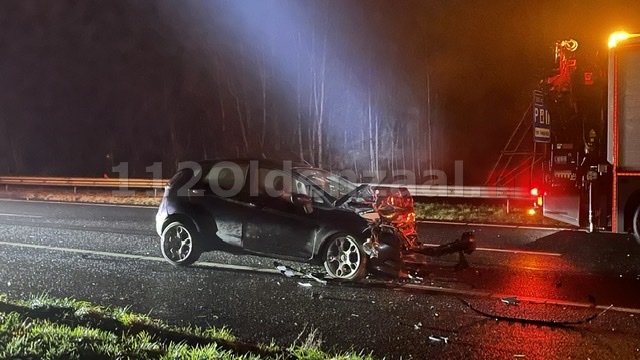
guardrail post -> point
(508, 203)
(75, 190)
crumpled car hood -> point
(393, 202)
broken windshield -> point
(333, 185)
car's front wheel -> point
(345, 259)
(179, 244)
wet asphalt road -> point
(110, 255)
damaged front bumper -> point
(393, 246)
(390, 260)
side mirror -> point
(303, 201)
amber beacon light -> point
(618, 36)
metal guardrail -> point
(477, 192)
(469, 192)
(76, 182)
(485, 192)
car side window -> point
(225, 179)
(276, 183)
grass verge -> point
(43, 327)
(82, 195)
(483, 213)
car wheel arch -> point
(321, 248)
(183, 218)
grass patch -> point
(491, 214)
(85, 195)
(43, 327)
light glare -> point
(616, 37)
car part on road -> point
(511, 300)
(537, 322)
(288, 271)
(179, 244)
(395, 228)
(443, 339)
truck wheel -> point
(636, 224)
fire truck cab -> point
(591, 175)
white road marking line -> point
(136, 257)
(523, 252)
(510, 251)
(22, 215)
(504, 226)
(274, 271)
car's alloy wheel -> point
(179, 245)
(345, 258)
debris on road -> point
(443, 339)
(313, 277)
(305, 284)
(285, 271)
(288, 271)
(415, 278)
(511, 300)
(553, 323)
(417, 326)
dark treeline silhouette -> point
(360, 85)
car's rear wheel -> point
(344, 258)
(179, 244)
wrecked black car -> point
(289, 211)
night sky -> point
(85, 85)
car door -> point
(277, 225)
(219, 196)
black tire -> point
(344, 258)
(180, 244)
(636, 225)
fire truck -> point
(588, 111)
